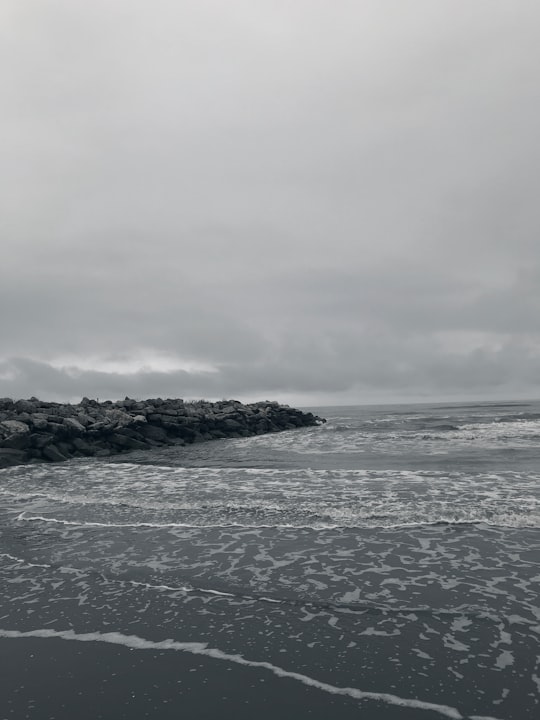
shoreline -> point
(53, 678)
(34, 431)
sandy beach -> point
(54, 679)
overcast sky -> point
(311, 201)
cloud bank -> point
(313, 203)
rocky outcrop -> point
(36, 431)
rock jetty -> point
(36, 431)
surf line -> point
(137, 643)
(220, 526)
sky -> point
(302, 200)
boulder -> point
(73, 424)
(11, 456)
(11, 453)
(39, 440)
(17, 441)
(83, 447)
(39, 421)
(232, 425)
(118, 418)
(152, 432)
(129, 432)
(126, 443)
(66, 448)
(28, 406)
(12, 427)
(52, 453)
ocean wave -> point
(503, 521)
(158, 526)
(482, 406)
(519, 417)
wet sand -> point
(54, 679)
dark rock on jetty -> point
(36, 431)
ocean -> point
(385, 565)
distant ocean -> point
(384, 565)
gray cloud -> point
(384, 368)
(309, 201)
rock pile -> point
(36, 431)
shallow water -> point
(390, 558)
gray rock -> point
(17, 441)
(129, 432)
(66, 448)
(55, 427)
(230, 424)
(127, 443)
(173, 412)
(73, 424)
(83, 447)
(52, 453)
(28, 406)
(152, 432)
(39, 421)
(14, 426)
(97, 427)
(23, 417)
(118, 418)
(10, 456)
(39, 440)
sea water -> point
(389, 558)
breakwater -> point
(37, 431)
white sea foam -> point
(20, 561)
(137, 643)
(257, 498)
(159, 526)
(505, 659)
(204, 591)
(358, 436)
(508, 520)
(85, 523)
(181, 588)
